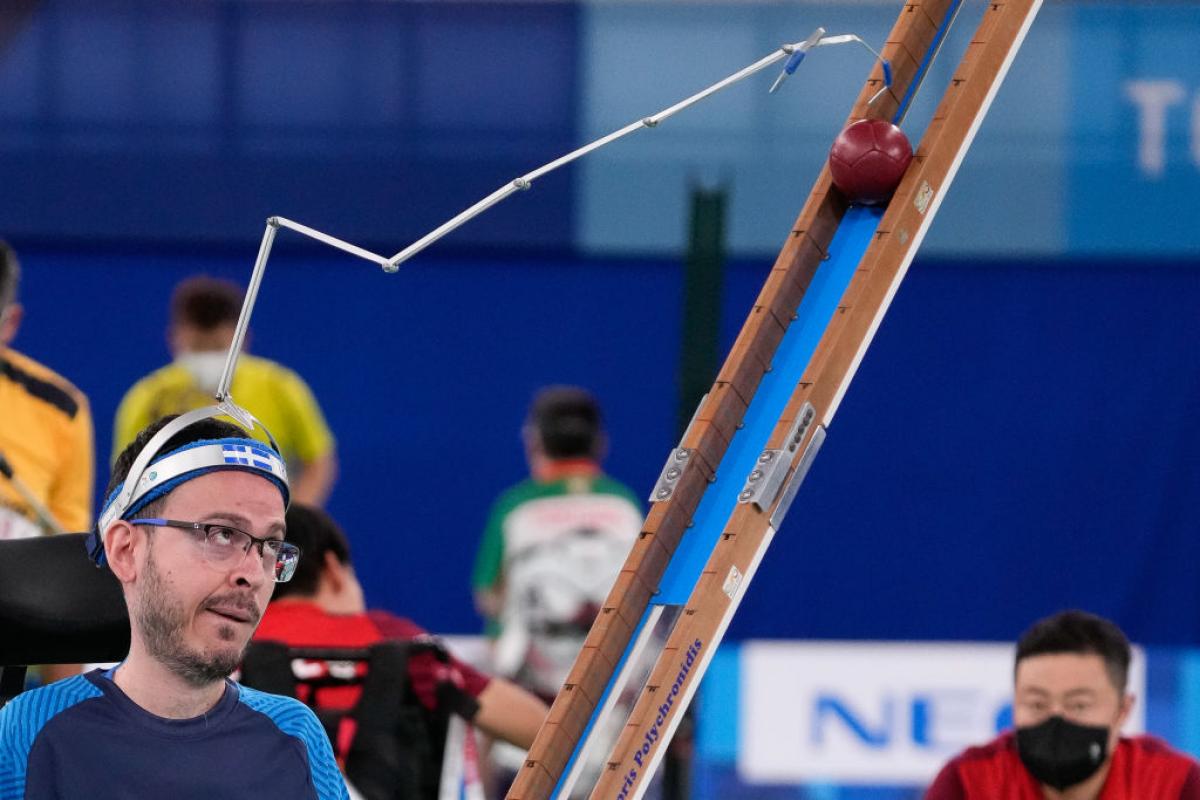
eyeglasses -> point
(225, 546)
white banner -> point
(874, 712)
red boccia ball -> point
(868, 160)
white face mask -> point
(206, 368)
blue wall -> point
(183, 122)
(1019, 438)
(133, 120)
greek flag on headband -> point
(187, 462)
(250, 456)
(153, 475)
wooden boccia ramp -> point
(724, 491)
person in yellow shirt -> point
(204, 314)
(46, 445)
(46, 450)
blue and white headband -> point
(152, 475)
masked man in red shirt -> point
(1068, 708)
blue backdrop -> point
(1020, 437)
(132, 120)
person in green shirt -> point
(552, 549)
(554, 543)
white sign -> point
(874, 712)
(1153, 99)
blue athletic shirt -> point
(84, 738)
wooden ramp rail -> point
(782, 383)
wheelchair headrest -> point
(56, 607)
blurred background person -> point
(1070, 703)
(204, 315)
(45, 440)
(45, 432)
(553, 546)
(323, 607)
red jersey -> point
(304, 624)
(1143, 768)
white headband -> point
(146, 475)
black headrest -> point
(56, 607)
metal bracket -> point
(676, 462)
(793, 484)
(800, 427)
(764, 481)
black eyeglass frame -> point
(287, 555)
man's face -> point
(192, 616)
(1075, 686)
(185, 338)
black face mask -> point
(1061, 753)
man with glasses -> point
(193, 528)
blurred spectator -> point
(323, 607)
(204, 315)
(553, 546)
(45, 433)
(1069, 705)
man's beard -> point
(162, 620)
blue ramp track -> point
(854, 235)
(795, 352)
(820, 302)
